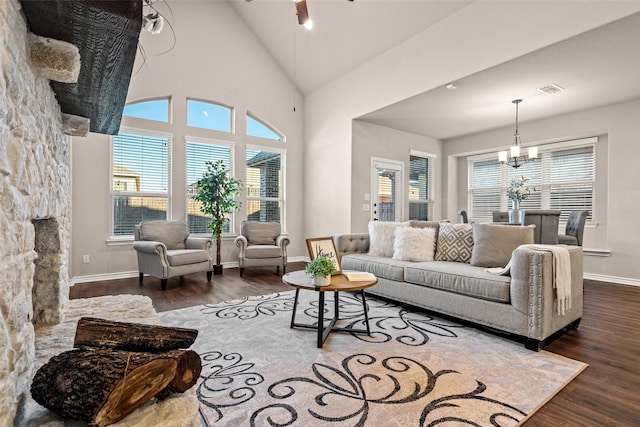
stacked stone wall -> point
(34, 186)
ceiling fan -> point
(302, 12)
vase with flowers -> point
(517, 192)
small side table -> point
(339, 282)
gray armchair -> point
(260, 244)
(575, 229)
(166, 250)
(546, 221)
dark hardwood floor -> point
(607, 393)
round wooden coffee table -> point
(339, 282)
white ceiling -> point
(597, 68)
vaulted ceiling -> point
(596, 68)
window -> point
(263, 185)
(420, 186)
(198, 152)
(256, 127)
(208, 115)
(563, 178)
(157, 110)
(140, 174)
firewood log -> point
(101, 387)
(100, 333)
(187, 372)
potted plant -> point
(217, 191)
(320, 270)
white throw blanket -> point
(561, 272)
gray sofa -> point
(523, 303)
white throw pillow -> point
(382, 236)
(414, 244)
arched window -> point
(256, 127)
(207, 115)
(157, 110)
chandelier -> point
(513, 157)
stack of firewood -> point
(116, 367)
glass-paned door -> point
(386, 203)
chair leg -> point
(284, 269)
(163, 284)
(140, 278)
(209, 274)
(278, 270)
(241, 271)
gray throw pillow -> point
(493, 244)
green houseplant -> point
(217, 191)
(320, 269)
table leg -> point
(366, 315)
(336, 305)
(320, 318)
(295, 306)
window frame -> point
(144, 100)
(232, 166)
(142, 132)
(283, 173)
(543, 187)
(232, 116)
(430, 200)
(266, 124)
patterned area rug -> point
(414, 369)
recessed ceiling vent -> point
(550, 89)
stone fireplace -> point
(34, 210)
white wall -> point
(215, 58)
(477, 37)
(617, 180)
(371, 140)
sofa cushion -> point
(260, 233)
(460, 278)
(493, 244)
(262, 251)
(186, 256)
(455, 243)
(414, 244)
(171, 233)
(382, 236)
(382, 267)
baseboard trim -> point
(612, 279)
(129, 274)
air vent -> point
(550, 89)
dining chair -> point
(575, 229)
(546, 221)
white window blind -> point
(420, 187)
(198, 153)
(263, 185)
(140, 175)
(563, 178)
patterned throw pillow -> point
(414, 244)
(455, 243)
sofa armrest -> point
(533, 292)
(282, 241)
(241, 242)
(150, 247)
(351, 243)
(204, 243)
